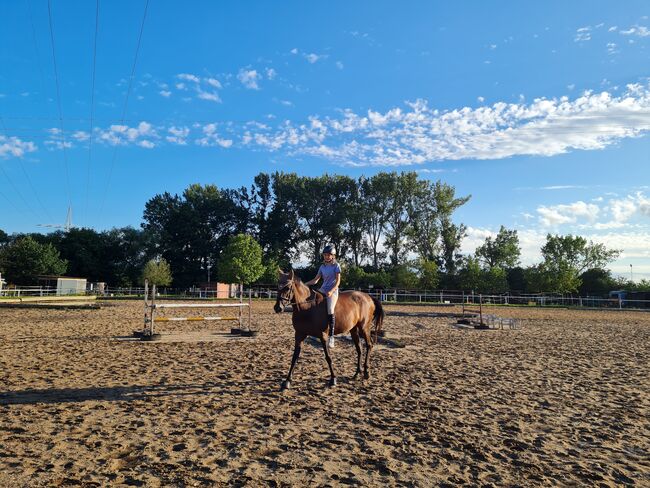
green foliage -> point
(404, 277)
(470, 275)
(495, 280)
(566, 257)
(354, 277)
(429, 274)
(4, 238)
(157, 272)
(25, 259)
(596, 281)
(241, 261)
(502, 251)
(270, 274)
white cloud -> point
(562, 187)
(188, 77)
(15, 147)
(313, 57)
(249, 78)
(178, 135)
(212, 138)
(555, 215)
(637, 30)
(120, 135)
(211, 96)
(294, 50)
(339, 65)
(81, 135)
(213, 82)
(583, 34)
(419, 134)
(271, 73)
(165, 93)
(480, 99)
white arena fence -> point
(445, 297)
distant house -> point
(220, 290)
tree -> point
(402, 187)
(157, 272)
(450, 233)
(596, 281)
(566, 257)
(470, 275)
(191, 231)
(376, 192)
(502, 251)
(4, 238)
(403, 276)
(241, 261)
(25, 259)
(429, 274)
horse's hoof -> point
(356, 375)
(332, 381)
(366, 376)
(285, 385)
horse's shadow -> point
(122, 393)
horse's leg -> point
(326, 348)
(296, 353)
(365, 331)
(355, 337)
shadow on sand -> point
(130, 393)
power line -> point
(58, 100)
(36, 50)
(126, 102)
(92, 113)
(29, 180)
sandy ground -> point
(563, 401)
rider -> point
(330, 272)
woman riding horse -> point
(355, 313)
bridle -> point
(288, 298)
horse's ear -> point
(280, 272)
(291, 274)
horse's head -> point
(286, 290)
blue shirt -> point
(328, 272)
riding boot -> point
(331, 320)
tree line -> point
(390, 230)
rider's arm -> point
(314, 281)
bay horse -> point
(355, 312)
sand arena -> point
(564, 400)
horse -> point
(355, 313)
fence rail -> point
(445, 297)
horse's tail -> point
(378, 317)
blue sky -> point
(539, 110)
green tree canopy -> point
(428, 273)
(157, 272)
(241, 261)
(25, 259)
(566, 257)
(502, 251)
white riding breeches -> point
(331, 302)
